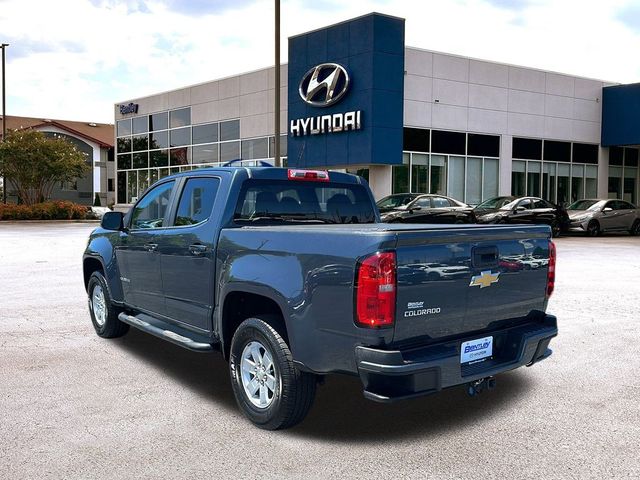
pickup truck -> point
(291, 276)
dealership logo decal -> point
(324, 84)
(339, 122)
(130, 108)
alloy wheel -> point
(258, 374)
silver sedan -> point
(596, 216)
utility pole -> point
(4, 121)
(276, 106)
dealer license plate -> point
(476, 350)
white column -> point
(506, 149)
(603, 172)
(380, 180)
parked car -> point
(526, 210)
(594, 216)
(397, 200)
(427, 208)
(291, 276)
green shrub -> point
(52, 210)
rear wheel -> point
(635, 228)
(593, 229)
(269, 389)
(555, 229)
(104, 315)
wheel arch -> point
(243, 303)
(91, 264)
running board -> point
(167, 331)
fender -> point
(100, 248)
(254, 273)
(246, 287)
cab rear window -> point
(274, 201)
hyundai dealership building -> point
(354, 98)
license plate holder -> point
(477, 350)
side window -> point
(196, 201)
(611, 205)
(151, 210)
(541, 204)
(423, 202)
(622, 205)
(439, 202)
(526, 203)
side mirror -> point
(520, 209)
(416, 208)
(112, 221)
(607, 209)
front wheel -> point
(104, 315)
(593, 229)
(555, 229)
(269, 389)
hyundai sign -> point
(346, 94)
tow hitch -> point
(475, 388)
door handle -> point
(152, 247)
(197, 249)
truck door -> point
(187, 251)
(138, 256)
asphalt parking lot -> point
(73, 405)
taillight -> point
(376, 290)
(313, 175)
(551, 273)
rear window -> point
(303, 202)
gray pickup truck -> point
(291, 276)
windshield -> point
(584, 205)
(496, 202)
(394, 201)
(290, 201)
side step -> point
(167, 331)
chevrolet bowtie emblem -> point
(485, 279)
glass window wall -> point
(629, 187)
(563, 183)
(518, 178)
(591, 182)
(419, 172)
(438, 174)
(400, 175)
(457, 177)
(468, 179)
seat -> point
(266, 203)
(289, 205)
(340, 208)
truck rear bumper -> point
(389, 375)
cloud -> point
(200, 7)
(79, 57)
(630, 17)
(511, 4)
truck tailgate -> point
(462, 280)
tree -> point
(34, 163)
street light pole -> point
(276, 106)
(4, 121)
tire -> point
(285, 397)
(104, 315)
(593, 229)
(555, 230)
(635, 228)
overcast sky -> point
(73, 59)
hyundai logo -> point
(324, 84)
